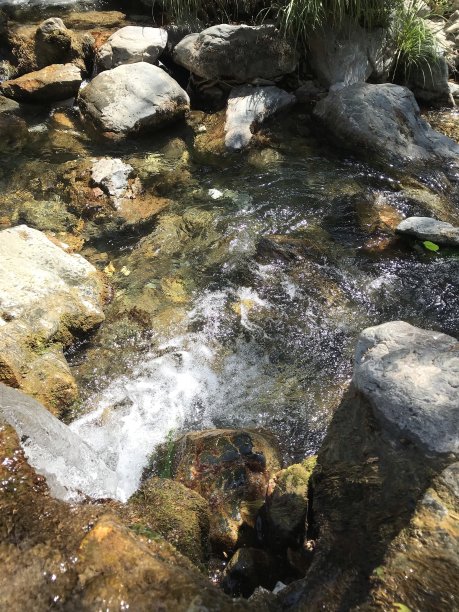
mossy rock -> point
(285, 514)
(231, 469)
(175, 512)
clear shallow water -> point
(255, 297)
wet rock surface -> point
(230, 469)
(41, 318)
(78, 556)
(384, 121)
(248, 107)
(115, 101)
(179, 515)
(72, 469)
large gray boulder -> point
(382, 123)
(426, 228)
(410, 376)
(249, 106)
(349, 55)
(55, 82)
(236, 52)
(71, 467)
(132, 44)
(47, 297)
(132, 98)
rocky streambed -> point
(228, 316)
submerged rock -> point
(132, 44)
(383, 124)
(231, 469)
(426, 228)
(249, 106)
(132, 98)
(111, 175)
(55, 82)
(47, 297)
(236, 52)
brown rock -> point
(178, 514)
(55, 82)
(231, 469)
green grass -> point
(416, 44)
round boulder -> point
(231, 469)
(130, 45)
(132, 98)
(236, 52)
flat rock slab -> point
(132, 98)
(383, 123)
(70, 466)
(236, 52)
(411, 378)
(132, 44)
(249, 106)
(55, 82)
(426, 228)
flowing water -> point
(241, 303)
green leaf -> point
(401, 607)
(431, 246)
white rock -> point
(426, 228)
(132, 98)
(40, 283)
(111, 175)
(248, 106)
(132, 44)
(411, 378)
(70, 466)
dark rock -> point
(285, 514)
(231, 469)
(379, 504)
(248, 569)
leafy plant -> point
(298, 17)
(416, 44)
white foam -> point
(189, 379)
